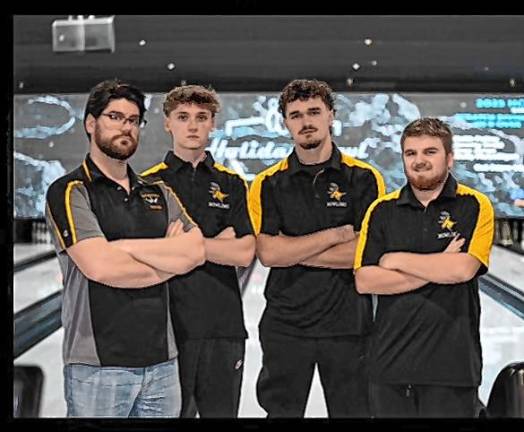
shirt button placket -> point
(126, 198)
(427, 220)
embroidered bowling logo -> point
(336, 195)
(218, 196)
(446, 224)
(153, 200)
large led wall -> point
(49, 138)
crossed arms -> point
(226, 249)
(400, 272)
(139, 263)
(331, 248)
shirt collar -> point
(175, 163)
(407, 197)
(296, 166)
(92, 173)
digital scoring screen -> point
(250, 135)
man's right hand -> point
(175, 228)
(226, 233)
(345, 233)
(455, 244)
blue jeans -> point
(94, 391)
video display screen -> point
(49, 139)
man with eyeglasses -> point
(118, 119)
(118, 239)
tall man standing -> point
(118, 240)
(206, 303)
(307, 211)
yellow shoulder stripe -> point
(221, 167)
(154, 169)
(57, 231)
(365, 225)
(349, 161)
(255, 206)
(86, 170)
(482, 238)
(69, 212)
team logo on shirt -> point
(218, 196)
(336, 195)
(153, 199)
(446, 224)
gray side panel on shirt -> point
(79, 341)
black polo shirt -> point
(105, 326)
(430, 335)
(288, 198)
(206, 302)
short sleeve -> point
(481, 240)
(240, 218)
(371, 186)
(176, 209)
(371, 241)
(69, 215)
(262, 207)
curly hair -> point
(192, 94)
(304, 89)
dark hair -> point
(304, 89)
(192, 94)
(104, 92)
(432, 127)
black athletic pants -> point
(211, 376)
(288, 366)
(423, 401)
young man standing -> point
(422, 249)
(118, 240)
(307, 211)
(206, 303)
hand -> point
(345, 233)
(387, 261)
(455, 244)
(226, 233)
(175, 228)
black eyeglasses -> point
(118, 120)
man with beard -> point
(118, 239)
(422, 249)
(307, 210)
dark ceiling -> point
(262, 53)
